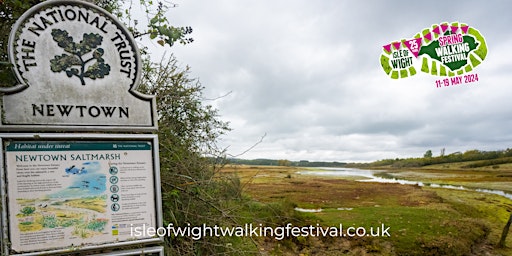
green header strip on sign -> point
(76, 145)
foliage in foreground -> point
(187, 133)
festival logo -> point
(445, 50)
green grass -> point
(413, 230)
(422, 220)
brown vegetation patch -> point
(340, 193)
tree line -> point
(477, 158)
(284, 162)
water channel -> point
(369, 176)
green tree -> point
(188, 134)
(428, 154)
(188, 131)
(156, 25)
(284, 162)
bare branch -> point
(220, 97)
(250, 148)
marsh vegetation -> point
(423, 220)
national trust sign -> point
(78, 68)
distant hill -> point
(475, 158)
(272, 162)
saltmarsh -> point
(422, 220)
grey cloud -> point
(307, 74)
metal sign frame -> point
(56, 138)
(150, 251)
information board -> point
(76, 193)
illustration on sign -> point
(445, 50)
(64, 62)
(77, 66)
(65, 194)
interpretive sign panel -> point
(78, 68)
(80, 193)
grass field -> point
(422, 220)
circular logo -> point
(113, 170)
(113, 179)
(114, 188)
(114, 198)
(72, 43)
(115, 207)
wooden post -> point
(504, 234)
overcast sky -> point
(306, 75)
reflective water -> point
(307, 210)
(368, 176)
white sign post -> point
(78, 70)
